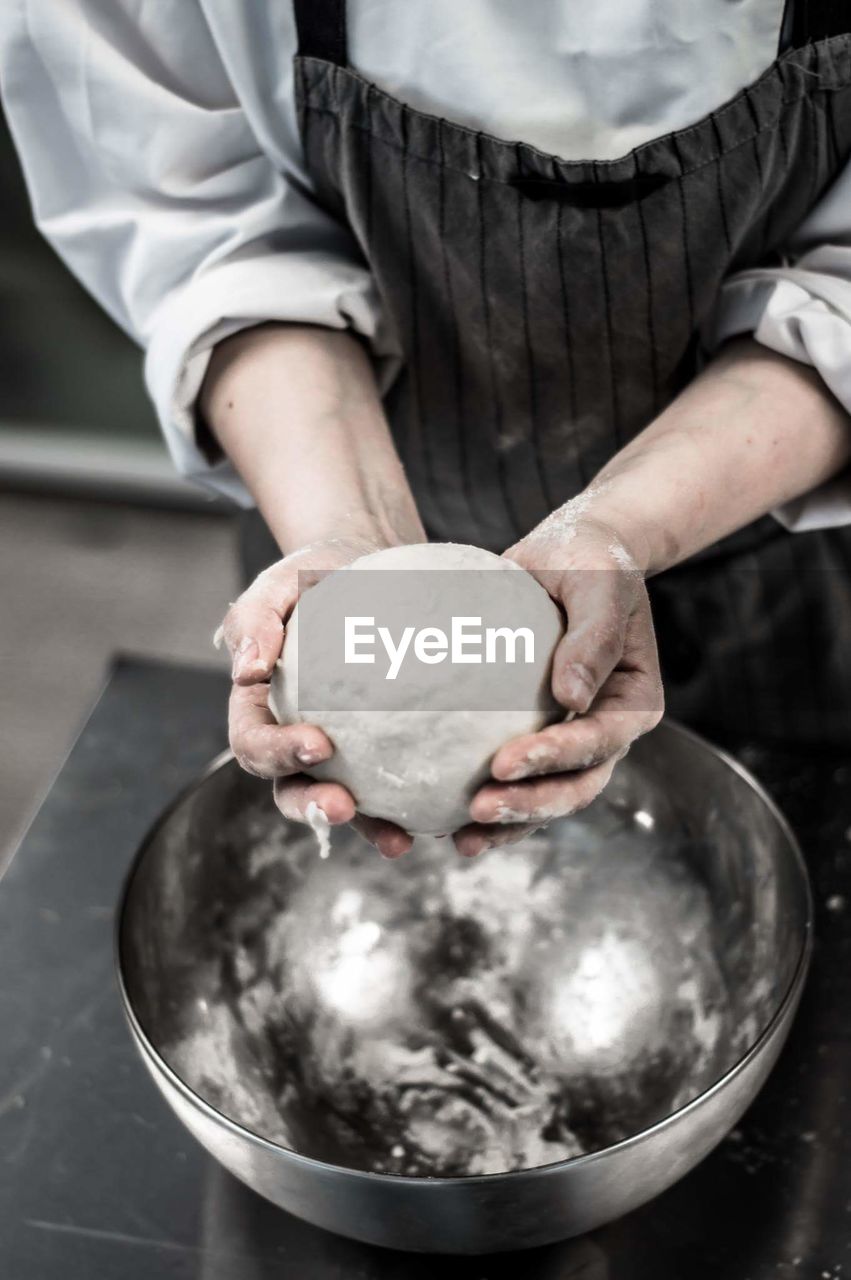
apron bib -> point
(547, 310)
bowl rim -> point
(155, 1060)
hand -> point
(605, 672)
(254, 631)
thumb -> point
(253, 628)
(598, 604)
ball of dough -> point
(418, 757)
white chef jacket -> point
(161, 151)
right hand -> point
(254, 632)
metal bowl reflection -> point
(460, 1056)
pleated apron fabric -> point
(547, 310)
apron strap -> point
(805, 21)
(321, 26)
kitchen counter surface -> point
(98, 1179)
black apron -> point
(547, 310)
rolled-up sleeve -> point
(802, 309)
(147, 178)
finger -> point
(264, 747)
(599, 604)
(540, 799)
(390, 841)
(253, 629)
(294, 794)
(629, 704)
(474, 839)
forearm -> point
(297, 411)
(752, 432)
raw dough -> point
(320, 826)
(420, 765)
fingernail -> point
(482, 810)
(476, 850)
(245, 657)
(310, 755)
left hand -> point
(605, 673)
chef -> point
(569, 282)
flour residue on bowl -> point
(445, 1017)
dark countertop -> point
(98, 1181)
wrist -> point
(356, 515)
(626, 527)
(605, 519)
(359, 531)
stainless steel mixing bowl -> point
(469, 1056)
